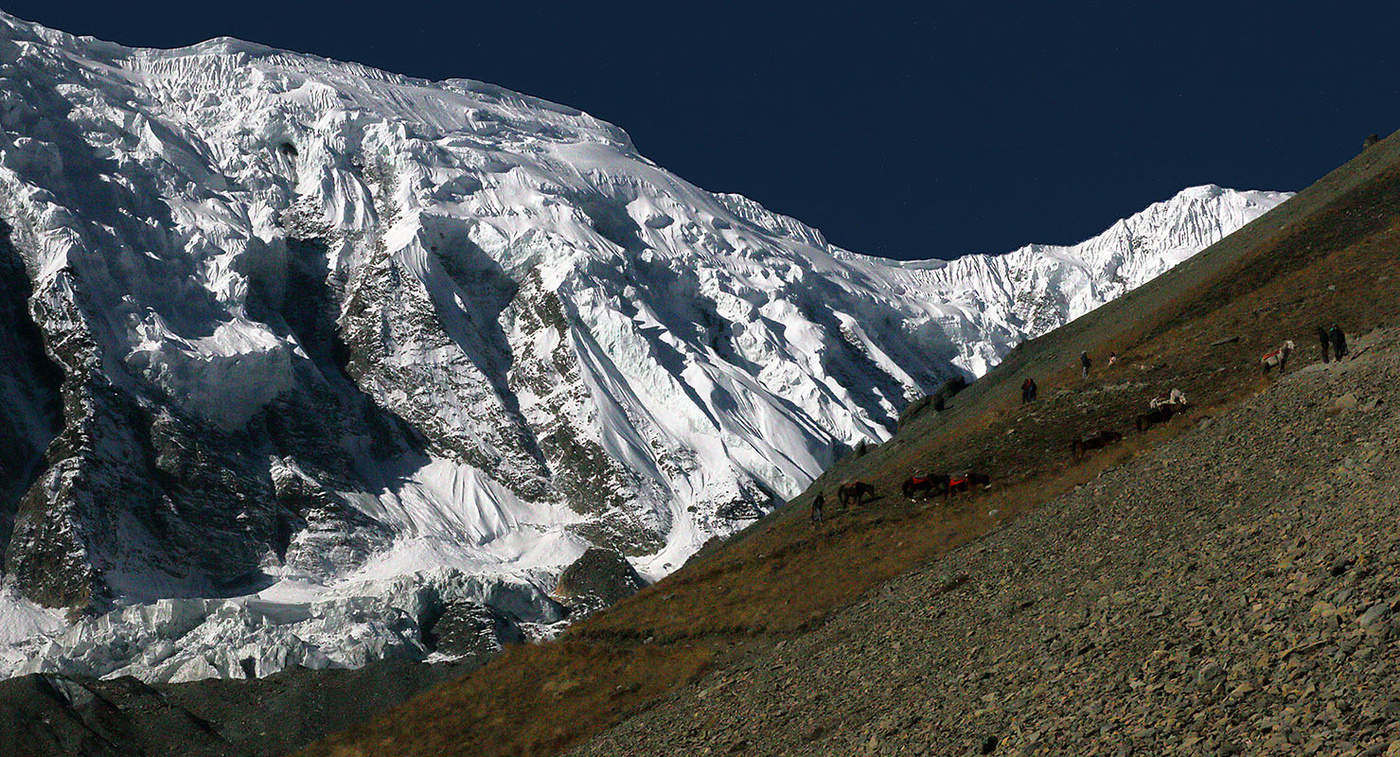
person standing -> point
(1325, 340)
(1084, 364)
(1028, 390)
(818, 504)
(1339, 342)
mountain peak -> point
(330, 337)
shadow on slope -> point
(29, 388)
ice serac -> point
(301, 356)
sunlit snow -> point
(514, 281)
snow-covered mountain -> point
(298, 355)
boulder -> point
(598, 578)
(472, 630)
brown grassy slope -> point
(1330, 254)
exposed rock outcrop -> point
(595, 580)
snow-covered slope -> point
(312, 352)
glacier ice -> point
(339, 345)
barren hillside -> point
(1233, 588)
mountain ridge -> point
(334, 337)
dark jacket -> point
(1339, 341)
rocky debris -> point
(598, 578)
(1232, 591)
(471, 630)
(51, 715)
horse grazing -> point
(1277, 359)
(965, 482)
(927, 486)
(854, 492)
(1097, 440)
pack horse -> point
(1277, 359)
(925, 486)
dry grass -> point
(532, 700)
(788, 578)
(784, 576)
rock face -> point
(471, 630)
(48, 715)
(29, 383)
(44, 715)
(597, 579)
(292, 329)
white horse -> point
(1278, 358)
(1176, 400)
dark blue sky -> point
(907, 131)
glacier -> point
(298, 353)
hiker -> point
(1084, 363)
(818, 503)
(1339, 342)
(1028, 390)
(1323, 338)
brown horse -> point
(927, 486)
(854, 492)
(1096, 440)
(1159, 414)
